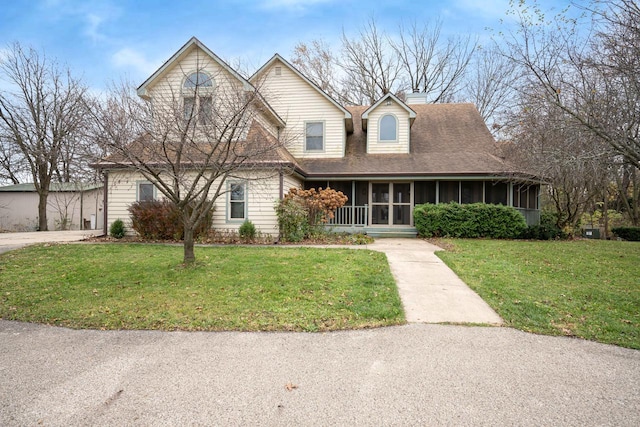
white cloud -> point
(92, 22)
(133, 60)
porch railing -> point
(531, 216)
(350, 216)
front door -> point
(390, 203)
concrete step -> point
(382, 233)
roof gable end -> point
(388, 97)
(181, 53)
(347, 115)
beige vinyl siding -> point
(169, 86)
(374, 145)
(296, 102)
(121, 193)
(291, 181)
(262, 193)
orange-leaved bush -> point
(320, 203)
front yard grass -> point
(587, 289)
(134, 286)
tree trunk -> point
(42, 211)
(189, 255)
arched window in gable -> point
(197, 97)
(198, 80)
(388, 128)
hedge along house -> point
(386, 158)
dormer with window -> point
(388, 123)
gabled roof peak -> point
(389, 97)
(278, 57)
(183, 51)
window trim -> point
(200, 87)
(324, 136)
(397, 123)
(245, 186)
(155, 193)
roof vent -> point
(278, 71)
(417, 98)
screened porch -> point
(389, 204)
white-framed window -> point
(388, 128)
(198, 79)
(237, 201)
(314, 136)
(146, 192)
(197, 97)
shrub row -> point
(627, 233)
(546, 230)
(468, 221)
(161, 220)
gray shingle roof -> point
(55, 187)
(446, 139)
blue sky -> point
(111, 39)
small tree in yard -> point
(193, 139)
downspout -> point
(81, 209)
(281, 193)
(105, 200)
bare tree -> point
(188, 141)
(374, 63)
(553, 146)
(431, 65)
(591, 75)
(317, 62)
(372, 68)
(490, 86)
(43, 114)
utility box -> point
(591, 233)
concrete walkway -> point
(430, 291)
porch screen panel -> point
(533, 197)
(401, 203)
(424, 192)
(362, 193)
(449, 191)
(524, 197)
(471, 191)
(496, 192)
(345, 187)
(380, 203)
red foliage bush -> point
(161, 220)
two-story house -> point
(386, 157)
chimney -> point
(416, 97)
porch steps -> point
(391, 232)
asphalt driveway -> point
(418, 374)
(10, 241)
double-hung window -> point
(314, 136)
(237, 201)
(146, 192)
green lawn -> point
(133, 286)
(587, 289)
